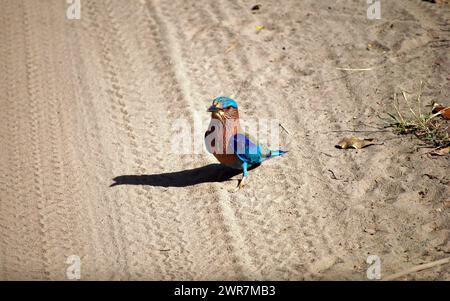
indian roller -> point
(229, 144)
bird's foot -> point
(241, 184)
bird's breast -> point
(220, 133)
(230, 160)
(218, 138)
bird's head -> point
(224, 108)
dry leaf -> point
(354, 142)
(436, 107)
(445, 113)
(441, 151)
(442, 110)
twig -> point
(418, 268)
(231, 47)
(284, 129)
(333, 176)
(328, 155)
(434, 115)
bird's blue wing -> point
(246, 150)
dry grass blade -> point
(429, 128)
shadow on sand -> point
(205, 174)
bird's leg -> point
(242, 181)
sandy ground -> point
(91, 102)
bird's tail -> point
(277, 153)
(272, 154)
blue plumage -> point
(242, 151)
(250, 153)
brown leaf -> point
(441, 151)
(354, 142)
(442, 110)
(445, 113)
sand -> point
(91, 102)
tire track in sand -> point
(260, 211)
(18, 217)
(20, 220)
(213, 213)
(139, 224)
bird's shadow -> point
(205, 174)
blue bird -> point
(229, 144)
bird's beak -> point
(213, 109)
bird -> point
(229, 144)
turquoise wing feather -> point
(249, 151)
(246, 150)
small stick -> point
(284, 129)
(232, 46)
(333, 176)
(418, 268)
